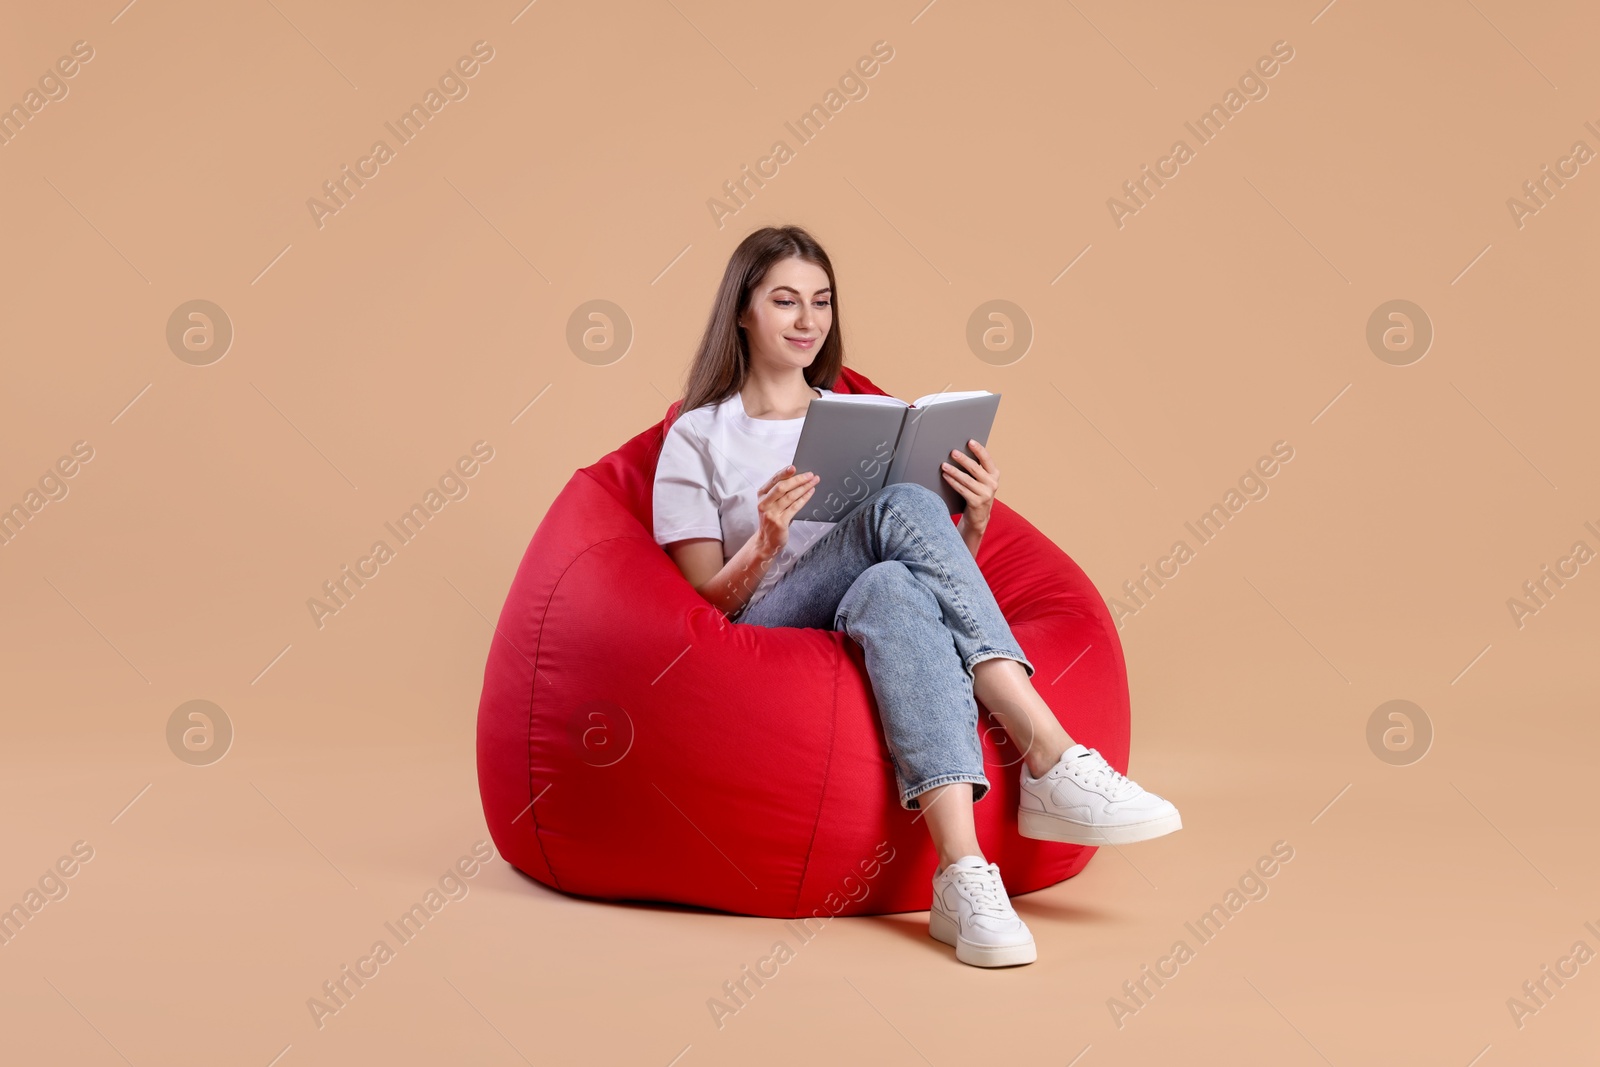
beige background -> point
(1227, 314)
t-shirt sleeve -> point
(683, 502)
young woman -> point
(895, 574)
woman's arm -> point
(971, 533)
(729, 586)
(978, 482)
(726, 586)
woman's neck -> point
(777, 397)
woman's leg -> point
(1069, 793)
(896, 575)
(911, 524)
(948, 810)
(1005, 690)
(930, 716)
(924, 698)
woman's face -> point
(790, 313)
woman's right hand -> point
(780, 499)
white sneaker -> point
(1084, 801)
(972, 912)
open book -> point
(856, 443)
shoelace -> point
(1095, 772)
(981, 885)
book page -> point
(939, 398)
(865, 398)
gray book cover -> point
(859, 442)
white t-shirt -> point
(713, 462)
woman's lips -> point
(801, 342)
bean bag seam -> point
(544, 616)
(822, 796)
(533, 816)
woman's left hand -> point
(976, 479)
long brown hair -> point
(723, 361)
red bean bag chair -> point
(633, 744)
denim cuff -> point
(995, 653)
(980, 786)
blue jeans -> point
(896, 576)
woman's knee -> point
(886, 586)
(915, 502)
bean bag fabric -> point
(633, 744)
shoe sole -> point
(942, 928)
(1043, 826)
